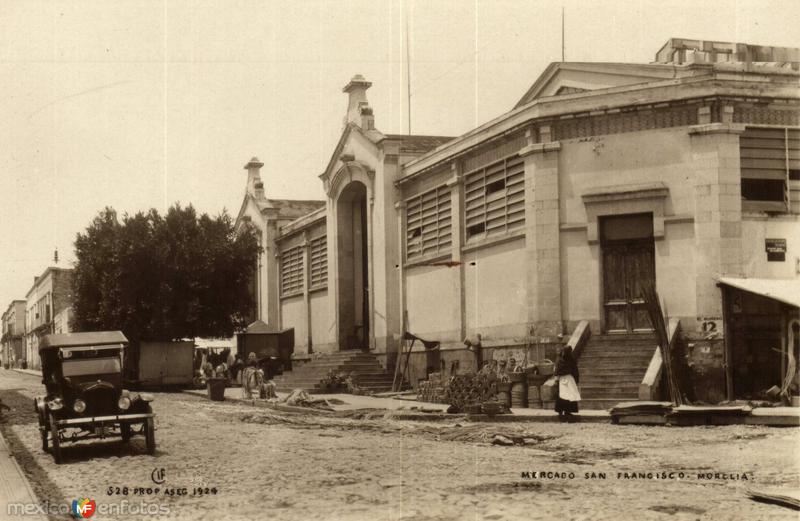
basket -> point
(535, 380)
(516, 377)
(216, 388)
(546, 367)
(473, 408)
(491, 408)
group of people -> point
(225, 365)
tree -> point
(163, 278)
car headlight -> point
(79, 405)
(55, 404)
(124, 403)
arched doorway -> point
(353, 267)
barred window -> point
(495, 198)
(428, 223)
(319, 262)
(770, 163)
(291, 271)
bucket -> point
(548, 393)
(519, 394)
(216, 388)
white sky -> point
(141, 104)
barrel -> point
(519, 394)
(534, 396)
(216, 388)
(504, 393)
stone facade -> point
(447, 246)
(13, 333)
(49, 296)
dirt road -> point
(227, 461)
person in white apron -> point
(567, 393)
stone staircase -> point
(612, 367)
(363, 367)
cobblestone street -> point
(270, 465)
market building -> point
(549, 220)
(45, 308)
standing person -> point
(566, 371)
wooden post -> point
(727, 317)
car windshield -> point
(91, 366)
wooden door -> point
(628, 266)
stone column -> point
(456, 185)
(306, 248)
(718, 210)
(543, 266)
(270, 311)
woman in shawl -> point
(568, 396)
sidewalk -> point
(406, 408)
(32, 372)
(14, 487)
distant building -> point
(49, 297)
(13, 333)
(604, 177)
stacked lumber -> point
(640, 413)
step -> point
(609, 387)
(595, 381)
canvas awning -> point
(782, 290)
(215, 343)
(93, 338)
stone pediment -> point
(564, 79)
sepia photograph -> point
(400, 260)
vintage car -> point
(82, 373)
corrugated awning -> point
(782, 290)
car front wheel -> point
(55, 442)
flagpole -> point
(563, 52)
(408, 68)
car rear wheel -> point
(55, 442)
(150, 435)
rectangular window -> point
(495, 198)
(770, 158)
(428, 223)
(291, 271)
(319, 262)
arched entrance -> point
(353, 267)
